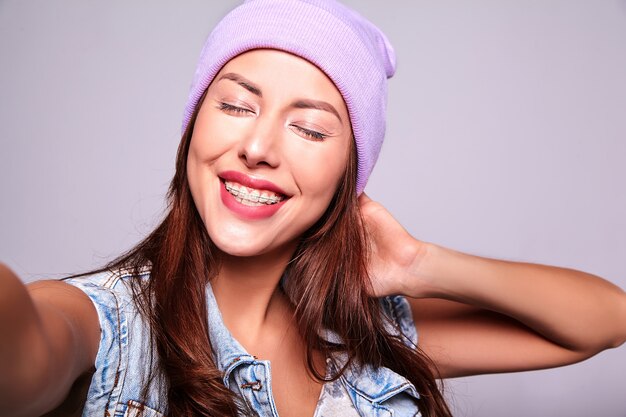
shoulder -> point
(110, 293)
(62, 306)
(88, 304)
(113, 280)
(109, 289)
(125, 357)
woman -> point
(266, 256)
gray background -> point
(505, 139)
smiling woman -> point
(262, 134)
(274, 285)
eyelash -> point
(310, 134)
(234, 109)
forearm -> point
(31, 383)
(573, 309)
(21, 335)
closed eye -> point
(310, 134)
(229, 108)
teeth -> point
(250, 196)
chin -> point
(239, 245)
(239, 251)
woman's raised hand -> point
(478, 315)
(395, 255)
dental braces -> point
(252, 198)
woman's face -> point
(269, 148)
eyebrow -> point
(298, 104)
(317, 105)
(245, 83)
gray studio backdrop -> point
(506, 138)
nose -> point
(260, 146)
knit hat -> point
(351, 51)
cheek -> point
(199, 154)
(209, 139)
(318, 174)
(208, 143)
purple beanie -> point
(353, 53)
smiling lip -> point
(247, 212)
(251, 182)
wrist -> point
(433, 273)
(419, 281)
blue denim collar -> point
(374, 384)
(228, 352)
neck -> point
(248, 295)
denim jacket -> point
(124, 357)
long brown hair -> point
(327, 282)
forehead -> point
(282, 71)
